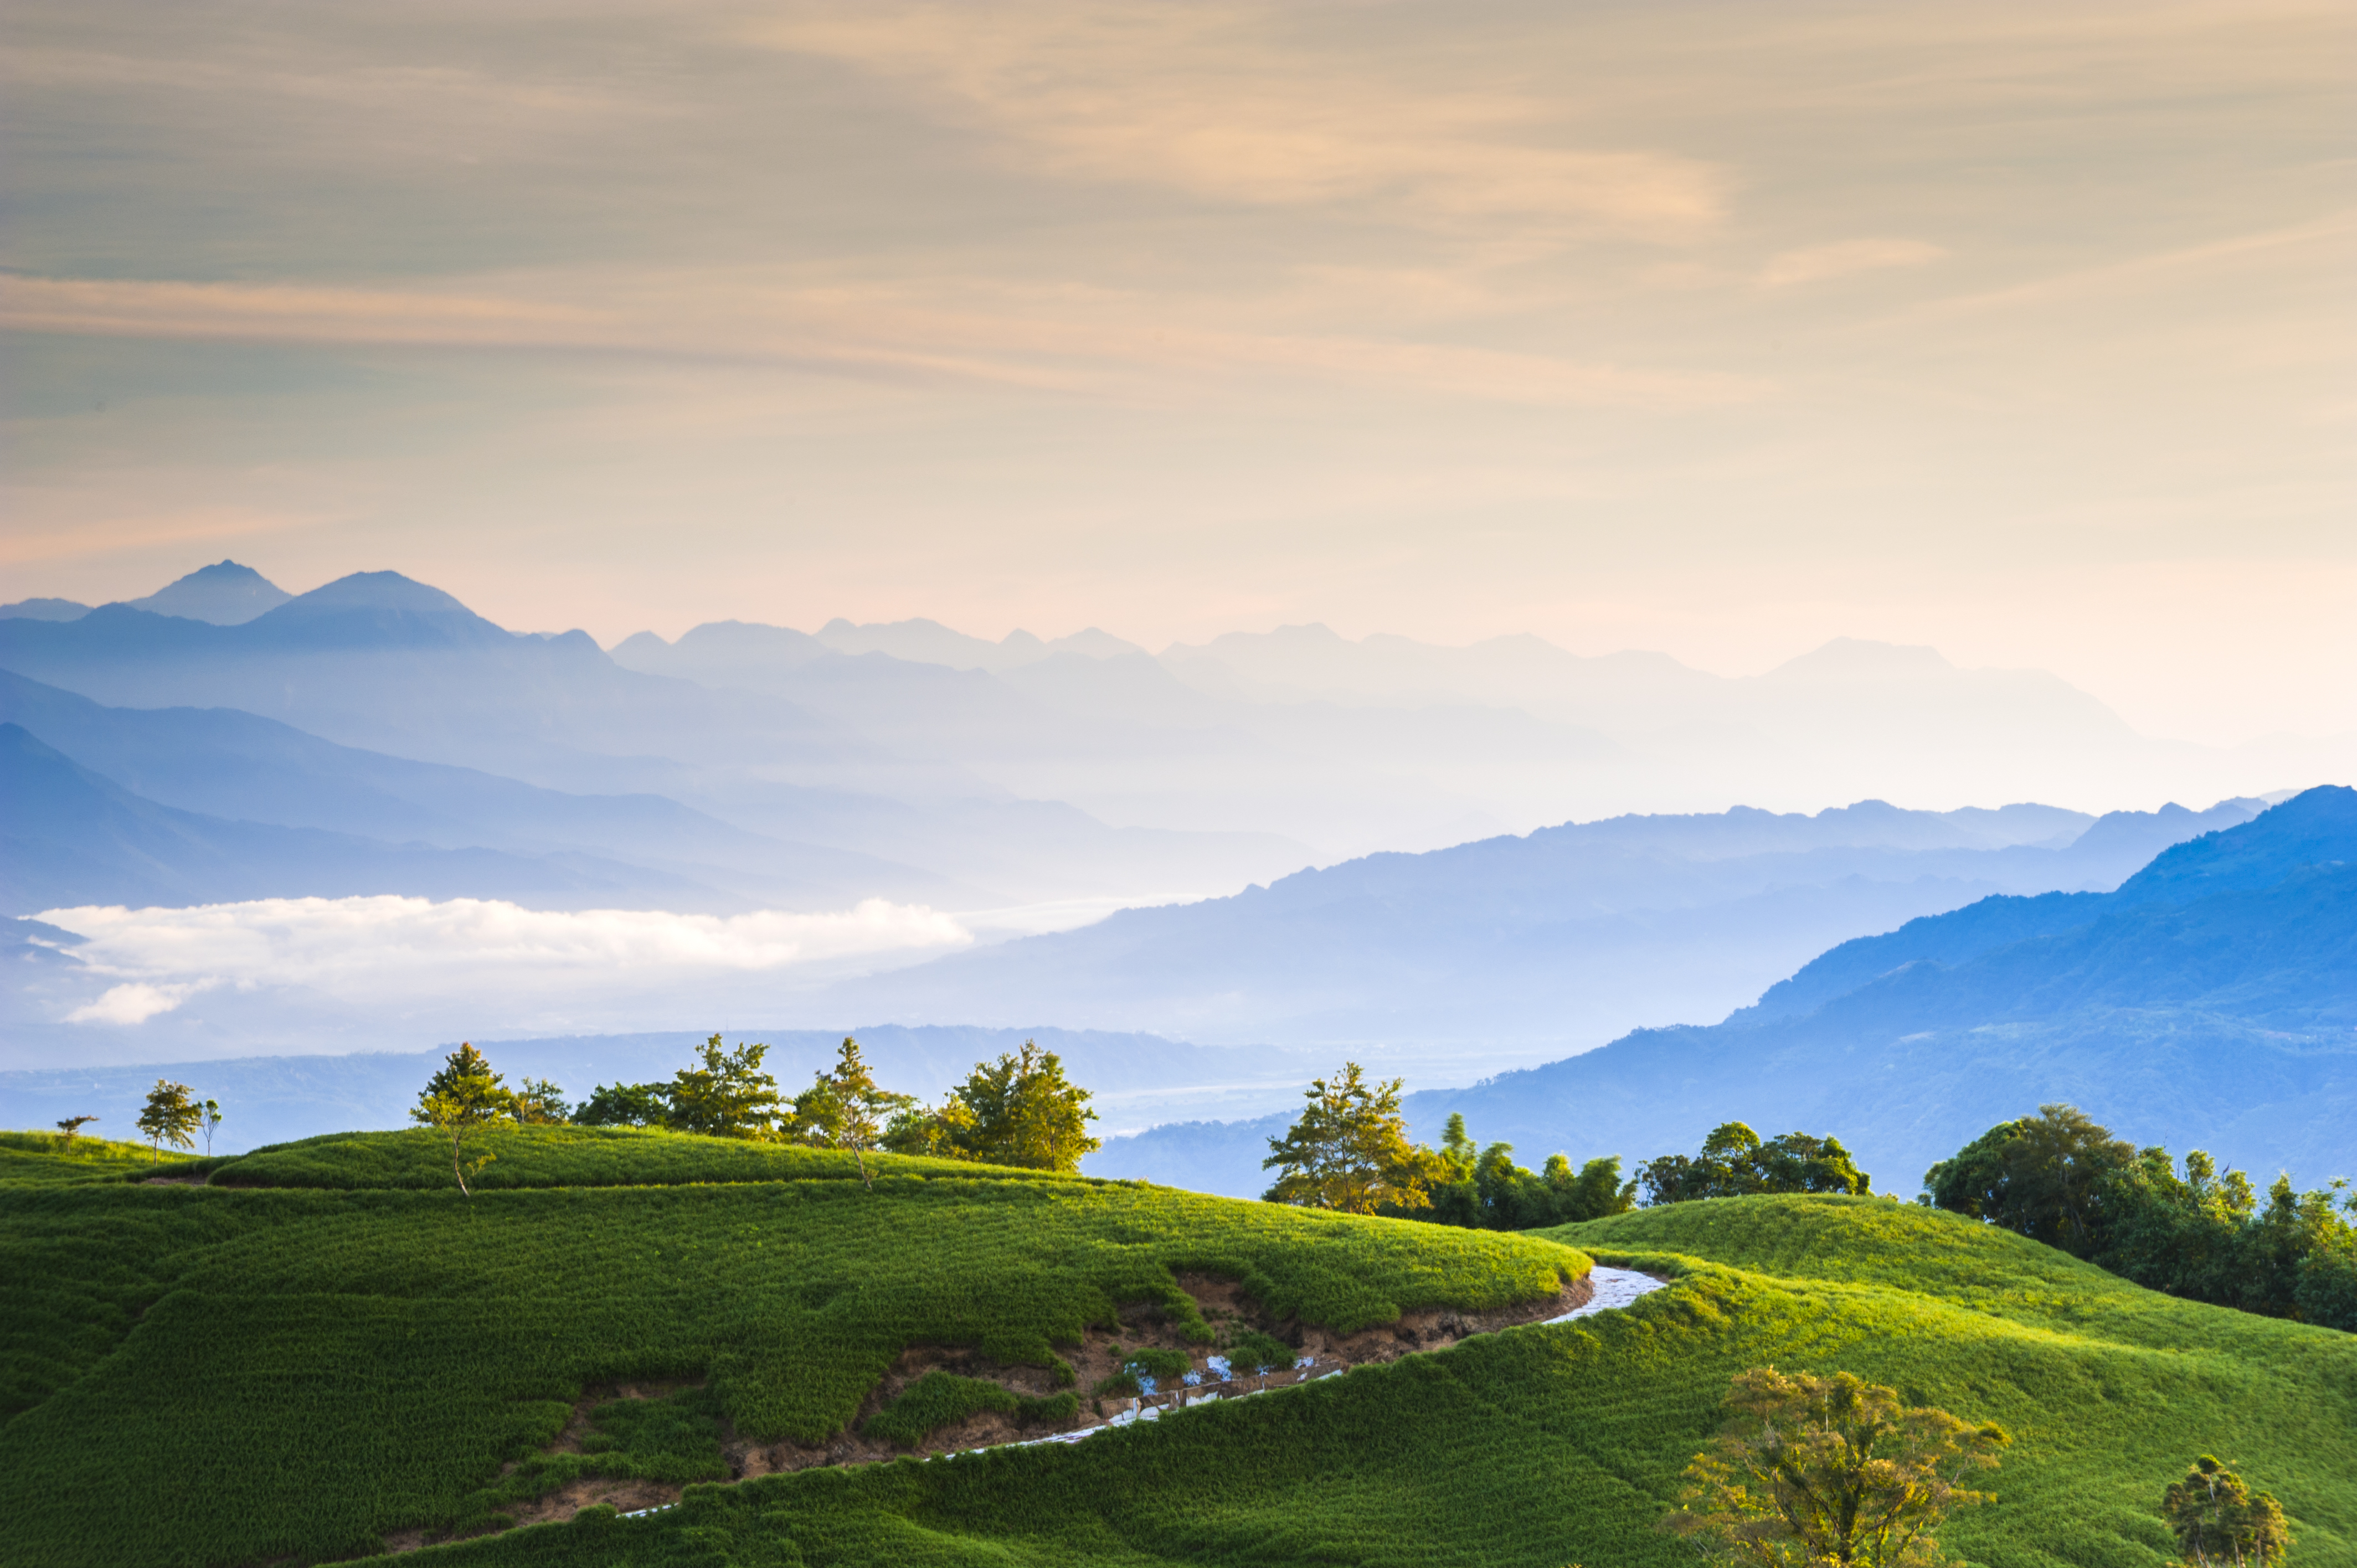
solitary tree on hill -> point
(1829, 1471)
(460, 1102)
(212, 1121)
(169, 1117)
(73, 1124)
(845, 1108)
(1349, 1152)
(2218, 1520)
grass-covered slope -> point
(1550, 1445)
(229, 1375)
(47, 1157)
(564, 1156)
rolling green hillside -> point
(224, 1374)
(228, 1375)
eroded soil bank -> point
(1222, 1302)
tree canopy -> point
(2219, 1519)
(1484, 1189)
(1018, 1111)
(729, 1096)
(844, 1109)
(1735, 1162)
(2045, 1176)
(1350, 1150)
(170, 1116)
(1829, 1471)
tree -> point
(2045, 1176)
(540, 1103)
(1736, 1163)
(465, 1063)
(1829, 1471)
(212, 1121)
(459, 1101)
(169, 1117)
(1018, 1110)
(73, 1124)
(728, 1097)
(1349, 1152)
(1021, 1110)
(2217, 1519)
(845, 1108)
(625, 1105)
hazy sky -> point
(2024, 330)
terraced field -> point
(292, 1374)
(235, 1373)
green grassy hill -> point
(239, 1374)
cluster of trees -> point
(1018, 1111)
(1350, 1152)
(1735, 1161)
(2061, 1178)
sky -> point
(1723, 329)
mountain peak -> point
(381, 591)
(226, 594)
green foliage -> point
(1254, 1352)
(228, 1374)
(1541, 1447)
(2217, 1519)
(941, 1399)
(2045, 1176)
(844, 1109)
(1735, 1162)
(169, 1117)
(728, 1097)
(460, 1101)
(1487, 1191)
(2061, 1179)
(1830, 1471)
(625, 1105)
(1018, 1110)
(1349, 1152)
(673, 1439)
(540, 1103)
(52, 1156)
(566, 1156)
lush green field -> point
(218, 1375)
(1544, 1446)
(47, 1157)
(567, 1157)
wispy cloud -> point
(1211, 101)
(413, 952)
(1095, 341)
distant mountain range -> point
(222, 741)
(1526, 948)
(2209, 1001)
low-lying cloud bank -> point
(410, 951)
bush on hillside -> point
(2218, 1518)
(1830, 1470)
(1736, 1163)
(941, 1399)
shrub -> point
(941, 1399)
